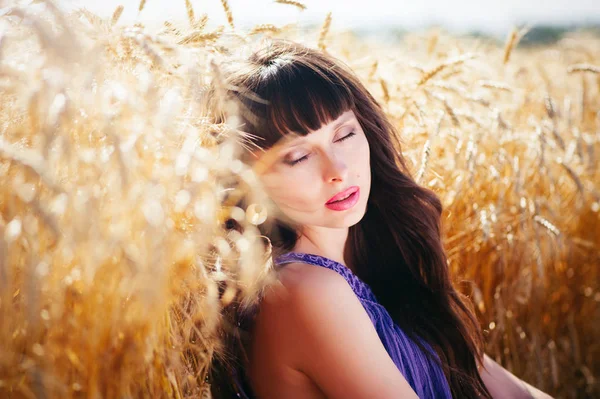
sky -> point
(497, 16)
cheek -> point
(365, 154)
(359, 157)
(293, 190)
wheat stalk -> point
(424, 160)
(372, 70)
(551, 126)
(292, 3)
(202, 21)
(494, 85)
(90, 16)
(432, 42)
(451, 112)
(190, 13)
(427, 147)
(386, 92)
(227, 9)
(550, 106)
(573, 175)
(448, 63)
(116, 15)
(261, 28)
(324, 30)
(201, 37)
(547, 224)
(511, 43)
(583, 68)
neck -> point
(323, 241)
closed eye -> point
(346, 137)
(292, 163)
(305, 157)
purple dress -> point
(424, 376)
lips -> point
(343, 194)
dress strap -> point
(359, 287)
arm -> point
(502, 384)
(316, 327)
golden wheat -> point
(228, 13)
(583, 68)
(116, 15)
(190, 13)
(324, 31)
(115, 186)
(292, 3)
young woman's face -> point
(303, 174)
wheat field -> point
(115, 267)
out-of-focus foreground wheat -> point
(114, 263)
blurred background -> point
(386, 19)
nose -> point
(335, 168)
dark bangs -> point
(290, 97)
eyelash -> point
(292, 163)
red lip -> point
(343, 194)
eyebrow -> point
(300, 139)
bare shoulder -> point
(301, 279)
(306, 333)
(296, 295)
(299, 287)
(279, 342)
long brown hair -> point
(396, 248)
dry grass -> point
(115, 267)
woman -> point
(365, 307)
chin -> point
(350, 219)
